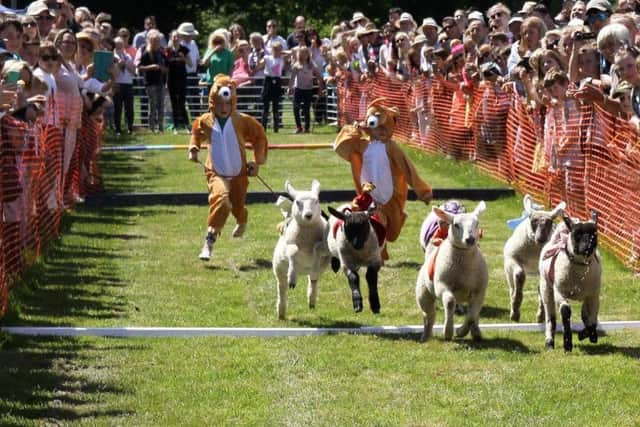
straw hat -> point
(418, 40)
(89, 36)
(357, 17)
(370, 28)
(429, 22)
(187, 29)
(407, 17)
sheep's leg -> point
(292, 276)
(546, 292)
(427, 304)
(354, 284)
(281, 276)
(590, 308)
(449, 303)
(567, 336)
(516, 277)
(312, 292)
(540, 313)
(372, 283)
(472, 321)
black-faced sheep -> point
(570, 270)
(353, 243)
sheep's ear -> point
(594, 216)
(558, 209)
(482, 206)
(443, 215)
(289, 189)
(527, 204)
(567, 220)
(315, 187)
(336, 213)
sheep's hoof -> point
(281, 317)
(593, 336)
(375, 306)
(515, 315)
(357, 305)
(312, 306)
(568, 346)
(460, 310)
(476, 338)
(335, 264)
(583, 334)
(425, 336)
(292, 285)
(549, 344)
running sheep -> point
(522, 251)
(570, 270)
(455, 271)
(301, 248)
(354, 243)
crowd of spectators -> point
(585, 52)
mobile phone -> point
(12, 77)
(584, 35)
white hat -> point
(515, 18)
(429, 22)
(37, 7)
(406, 17)
(527, 7)
(419, 39)
(358, 16)
(476, 15)
(187, 29)
(601, 5)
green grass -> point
(139, 267)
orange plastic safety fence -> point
(37, 161)
(566, 151)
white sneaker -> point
(207, 248)
(239, 230)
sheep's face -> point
(356, 228)
(541, 226)
(463, 228)
(541, 221)
(306, 204)
(584, 235)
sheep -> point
(522, 251)
(459, 274)
(354, 243)
(301, 248)
(570, 269)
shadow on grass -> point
(124, 175)
(404, 264)
(325, 322)
(607, 349)
(494, 312)
(505, 344)
(48, 381)
(258, 264)
(74, 278)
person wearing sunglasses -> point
(499, 16)
(11, 33)
(43, 16)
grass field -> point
(139, 267)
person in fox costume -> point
(226, 167)
(376, 159)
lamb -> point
(455, 271)
(354, 243)
(570, 269)
(301, 248)
(522, 251)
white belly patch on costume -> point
(224, 150)
(377, 170)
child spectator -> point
(303, 72)
(273, 65)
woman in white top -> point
(123, 88)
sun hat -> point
(358, 16)
(406, 17)
(476, 15)
(601, 5)
(418, 40)
(429, 22)
(37, 7)
(89, 36)
(187, 29)
(370, 28)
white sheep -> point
(353, 243)
(570, 270)
(301, 248)
(522, 251)
(459, 275)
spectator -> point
(257, 74)
(140, 39)
(407, 24)
(237, 33)
(532, 31)
(241, 73)
(29, 52)
(451, 28)
(43, 16)
(125, 35)
(384, 54)
(461, 19)
(30, 28)
(430, 30)
(187, 33)
(45, 70)
(273, 65)
(298, 25)
(394, 15)
(217, 59)
(578, 11)
(400, 56)
(11, 32)
(597, 14)
(272, 36)
(177, 59)
(301, 85)
(499, 16)
(123, 88)
(358, 20)
(153, 67)
(515, 26)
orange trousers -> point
(226, 196)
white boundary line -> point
(158, 332)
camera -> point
(579, 35)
